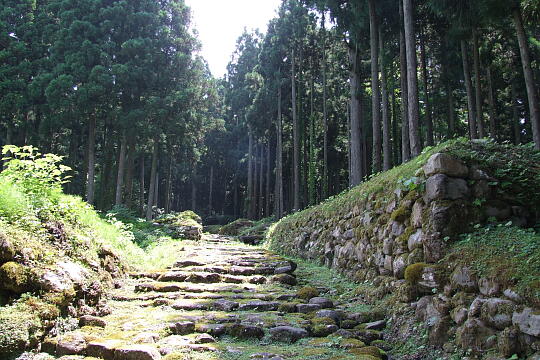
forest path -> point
(220, 300)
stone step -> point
(164, 287)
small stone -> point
(323, 302)
(259, 306)
(488, 286)
(332, 314)
(307, 308)
(146, 338)
(137, 352)
(464, 279)
(285, 279)
(243, 331)
(183, 328)
(71, 344)
(204, 339)
(284, 270)
(375, 325)
(89, 320)
(288, 334)
(212, 329)
(475, 335)
(497, 313)
(102, 349)
(225, 305)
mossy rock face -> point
(288, 307)
(7, 250)
(234, 228)
(306, 293)
(370, 350)
(15, 277)
(323, 321)
(351, 344)
(362, 356)
(382, 344)
(413, 273)
(21, 329)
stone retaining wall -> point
(409, 229)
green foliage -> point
(14, 205)
(39, 176)
(509, 254)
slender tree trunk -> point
(141, 184)
(492, 109)
(451, 118)
(268, 197)
(515, 114)
(156, 191)
(534, 107)
(468, 87)
(194, 188)
(405, 141)
(296, 138)
(250, 191)
(387, 146)
(130, 170)
(279, 200)
(355, 175)
(168, 184)
(152, 187)
(211, 190)
(396, 148)
(121, 169)
(325, 114)
(255, 197)
(429, 116)
(412, 77)
(90, 181)
(261, 182)
(375, 87)
(478, 86)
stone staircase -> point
(220, 300)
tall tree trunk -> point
(387, 147)
(261, 182)
(412, 77)
(468, 87)
(130, 170)
(296, 138)
(478, 86)
(121, 168)
(278, 193)
(375, 87)
(451, 118)
(168, 184)
(250, 191)
(325, 114)
(355, 175)
(268, 197)
(255, 197)
(156, 191)
(194, 188)
(396, 148)
(211, 190)
(492, 109)
(152, 187)
(534, 107)
(515, 114)
(405, 141)
(429, 116)
(141, 184)
(90, 181)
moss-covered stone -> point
(15, 277)
(307, 293)
(21, 328)
(351, 344)
(413, 273)
(382, 344)
(370, 350)
(288, 307)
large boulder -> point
(442, 187)
(475, 335)
(288, 334)
(442, 163)
(528, 321)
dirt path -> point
(220, 300)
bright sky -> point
(221, 22)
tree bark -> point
(152, 187)
(492, 109)
(515, 114)
(296, 138)
(325, 114)
(450, 111)
(261, 182)
(255, 196)
(168, 184)
(130, 170)
(429, 116)
(534, 107)
(141, 184)
(405, 141)
(90, 181)
(387, 147)
(268, 197)
(121, 168)
(278, 193)
(375, 87)
(211, 190)
(250, 191)
(194, 188)
(468, 86)
(412, 77)
(478, 86)
(355, 175)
